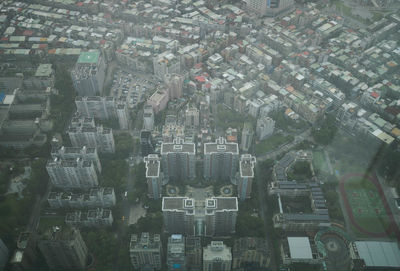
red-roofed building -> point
(375, 94)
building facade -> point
(250, 251)
(84, 132)
(85, 153)
(247, 137)
(71, 173)
(217, 257)
(192, 117)
(265, 127)
(174, 83)
(154, 176)
(146, 250)
(88, 74)
(176, 259)
(3, 255)
(178, 160)
(148, 118)
(63, 249)
(220, 160)
(246, 176)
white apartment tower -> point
(192, 117)
(145, 250)
(247, 137)
(174, 83)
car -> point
(126, 194)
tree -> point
(39, 177)
(123, 145)
(326, 132)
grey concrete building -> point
(145, 250)
(3, 255)
(176, 259)
(96, 218)
(63, 248)
(178, 160)
(220, 160)
(96, 197)
(148, 118)
(194, 252)
(154, 176)
(250, 251)
(217, 257)
(88, 74)
(85, 153)
(247, 137)
(84, 132)
(246, 175)
(103, 108)
(26, 253)
(72, 173)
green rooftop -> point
(89, 57)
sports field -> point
(365, 206)
(319, 161)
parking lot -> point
(135, 88)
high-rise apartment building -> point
(103, 108)
(192, 117)
(194, 252)
(178, 160)
(88, 74)
(84, 132)
(174, 83)
(96, 197)
(154, 176)
(72, 173)
(245, 176)
(91, 218)
(217, 257)
(148, 118)
(146, 144)
(265, 127)
(220, 160)
(85, 153)
(250, 251)
(63, 248)
(247, 137)
(146, 251)
(210, 217)
(176, 259)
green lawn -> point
(319, 161)
(272, 143)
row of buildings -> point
(187, 253)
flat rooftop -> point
(221, 146)
(178, 148)
(44, 70)
(91, 57)
(299, 248)
(379, 254)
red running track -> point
(393, 228)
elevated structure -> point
(246, 175)
(217, 257)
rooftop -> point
(44, 70)
(91, 57)
(379, 254)
(300, 248)
(221, 146)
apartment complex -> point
(72, 173)
(217, 257)
(154, 176)
(92, 218)
(96, 197)
(146, 144)
(176, 259)
(192, 117)
(220, 160)
(178, 160)
(63, 248)
(194, 252)
(3, 255)
(146, 250)
(26, 252)
(84, 132)
(88, 74)
(103, 108)
(174, 84)
(85, 153)
(210, 217)
(246, 175)
(250, 251)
